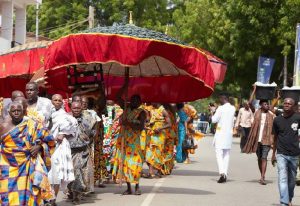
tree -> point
(59, 18)
(239, 32)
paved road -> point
(195, 184)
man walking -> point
(286, 143)
(24, 159)
(224, 118)
(260, 138)
(243, 123)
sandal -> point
(137, 192)
(127, 192)
(148, 176)
(76, 201)
(262, 182)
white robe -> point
(62, 170)
(224, 117)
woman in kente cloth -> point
(159, 123)
(181, 153)
(171, 140)
(133, 123)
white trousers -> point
(223, 160)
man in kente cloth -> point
(100, 171)
(132, 125)
(81, 153)
(24, 160)
(260, 137)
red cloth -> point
(103, 48)
(17, 68)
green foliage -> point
(239, 31)
(58, 18)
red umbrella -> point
(19, 64)
(162, 69)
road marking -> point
(151, 195)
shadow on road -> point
(257, 181)
(279, 205)
(194, 173)
(184, 191)
(86, 200)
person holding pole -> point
(133, 122)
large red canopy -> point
(159, 71)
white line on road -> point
(151, 195)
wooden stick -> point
(121, 167)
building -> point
(13, 22)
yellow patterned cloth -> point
(133, 157)
(171, 141)
(23, 178)
(33, 114)
(155, 149)
(190, 111)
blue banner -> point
(264, 70)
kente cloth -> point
(171, 141)
(42, 111)
(23, 178)
(194, 133)
(146, 133)
(107, 132)
(180, 153)
(155, 149)
(267, 136)
(62, 171)
(81, 154)
(190, 111)
(133, 157)
(115, 146)
(100, 172)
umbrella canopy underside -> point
(159, 71)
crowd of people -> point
(76, 145)
(73, 146)
(269, 128)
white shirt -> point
(245, 118)
(224, 117)
(262, 126)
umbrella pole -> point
(121, 168)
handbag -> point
(188, 143)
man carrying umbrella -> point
(132, 125)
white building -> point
(13, 22)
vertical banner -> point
(296, 79)
(264, 69)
